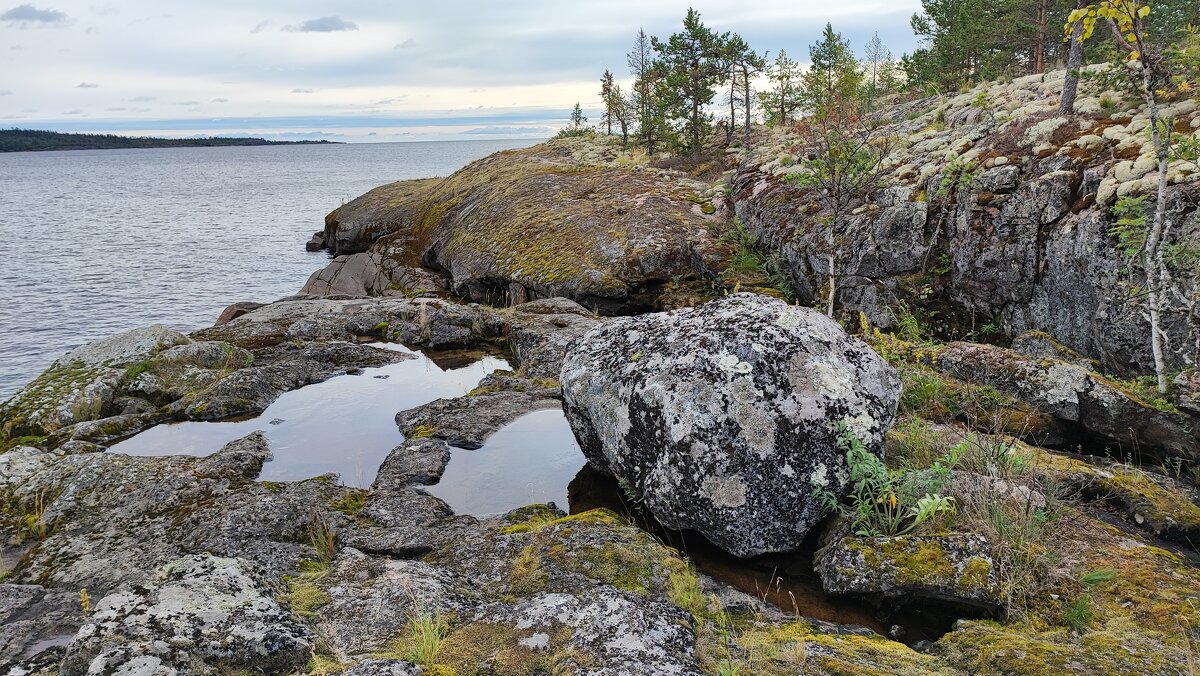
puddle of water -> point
(531, 460)
(345, 424)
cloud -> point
(87, 85)
(73, 112)
(5, 92)
(114, 110)
(392, 101)
(220, 101)
(325, 24)
(261, 26)
(187, 103)
(407, 44)
(142, 99)
(17, 48)
(25, 15)
(302, 91)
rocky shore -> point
(1009, 502)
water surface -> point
(529, 461)
(346, 424)
(99, 241)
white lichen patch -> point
(832, 381)
(732, 364)
(790, 319)
(725, 491)
(743, 390)
(538, 641)
(758, 428)
(819, 475)
(862, 425)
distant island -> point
(20, 140)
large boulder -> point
(725, 418)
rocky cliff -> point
(994, 211)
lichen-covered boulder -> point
(725, 418)
(955, 569)
(202, 615)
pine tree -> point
(691, 64)
(744, 65)
(646, 99)
(606, 96)
(783, 99)
(834, 74)
(878, 70)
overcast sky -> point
(362, 70)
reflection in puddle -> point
(345, 424)
(528, 461)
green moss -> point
(1116, 646)
(919, 562)
(1141, 495)
(272, 486)
(611, 563)
(484, 648)
(9, 444)
(351, 502)
(975, 575)
(683, 587)
(304, 594)
(527, 576)
(421, 432)
(797, 647)
(47, 391)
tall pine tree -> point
(691, 64)
(833, 76)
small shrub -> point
(1079, 616)
(882, 501)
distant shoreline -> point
(30, 140)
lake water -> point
(95, 242)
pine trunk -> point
(1039, 45)
(746, 102)
(1074, 63)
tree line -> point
(682, 81)
(23, 140)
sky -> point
(363, 70)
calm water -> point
(530, 460)
(345, 425)
(96, 242)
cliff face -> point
(564, 218)
(994, 210)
